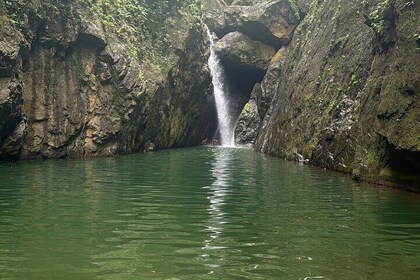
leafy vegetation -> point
(353, 81)
(16, 9)
(144, 25)
(376, 16)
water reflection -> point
(187, 213)
(218, 192)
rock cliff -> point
(344, 84)
(331, 82)
(98, 78)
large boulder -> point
(241, 51)
(214, 16)
(271, 22)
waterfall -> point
(226, 124)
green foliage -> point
(16, 10)
(376, 16)
(146, 27)
(247, 108)
(353, 81)
(144, 24)
(125, 18)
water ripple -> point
(205, 213)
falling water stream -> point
(225, 120)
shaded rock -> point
(12, 144)
(271, 22)
(347, 96)
(254, 112)
(237, 49)
(87, 92)
(249, 122)
(214, 16)
(303, 6)
(10, 114)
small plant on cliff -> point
(376, 16)
(16, 10)
(247, 107)
(353, 81)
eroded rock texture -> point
(237, 49)
(344, 87)
(250, 33)
(271, 22)
(348, 93)
(72, 86)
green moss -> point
(310, 146)
(115, 116)
(16, 11)
(376, 16)
(247, 108)
(354, 81)
(295, 9)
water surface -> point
(203, 213)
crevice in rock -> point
(259, 32)
(241, 80)
(402, 166)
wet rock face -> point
(271, 22)
(250, 33)
(333, 104)
(249, 121)
(343, 92)
(67, 90)
(255, 111)
(237, 49)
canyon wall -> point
(99, 78)
(342, 90)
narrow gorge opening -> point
(233, 83)
(241, 80)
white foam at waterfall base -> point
(221, 93)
